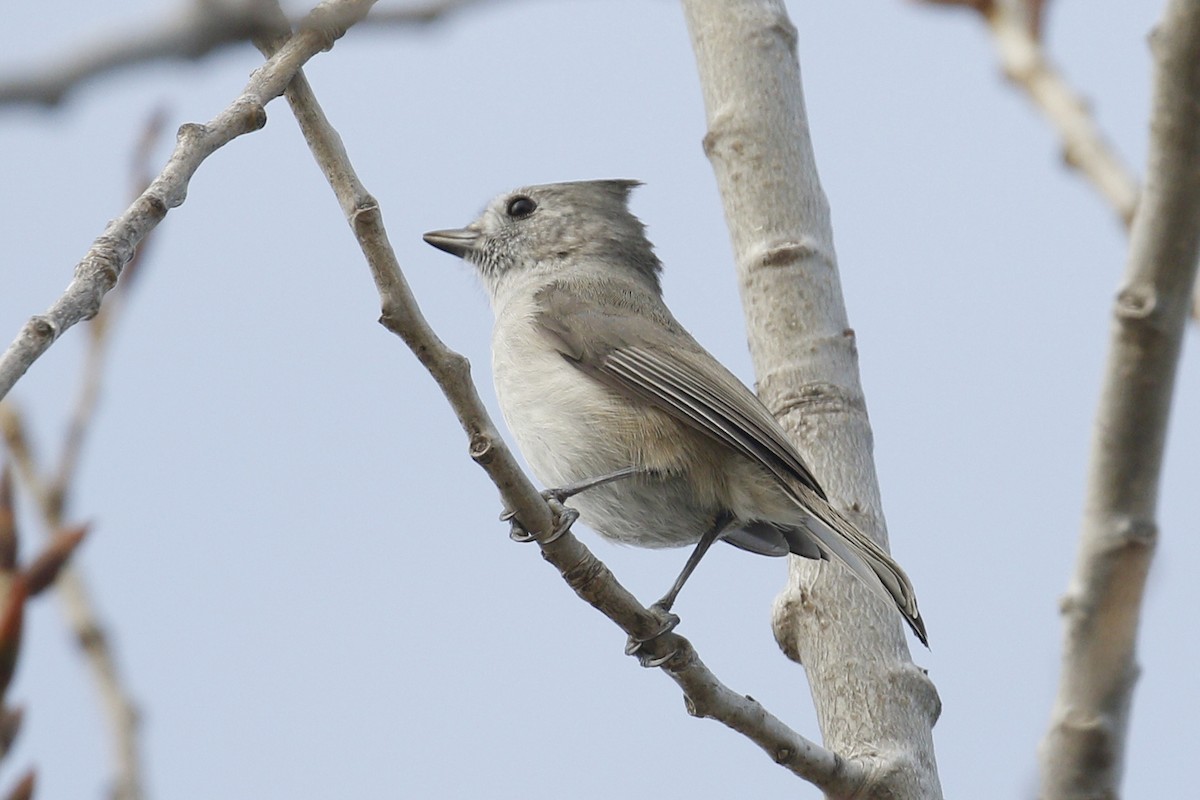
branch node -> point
(1136, 302)
(43, 328)
(584, 574)
(155, 207)
(1137, 533)
(326, 24)
(189, 133)
(253, 113)
(785, 30)
(719, 129)
(482, 448)
(365, 213)
(782, 254)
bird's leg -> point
(662, 608)
(571, 489)
(564, 516)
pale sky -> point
(301, 568)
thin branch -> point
(706, 696)
(101, 326)
(1084, 146)
(119, 706)
(192, 32)
(1015, 28)
(97, 273)
(1083, 752)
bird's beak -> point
(459, 242)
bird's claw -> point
(564, 518)
(634, 646)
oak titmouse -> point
(604, 388)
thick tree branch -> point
(97, 273)
(705, 695)
(804, 353)
(194, 31)
(1083, 752)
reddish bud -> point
(24, 788)
(10, 726)
(45, 568)
(8, 523)
(11, 618)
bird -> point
(613, 402)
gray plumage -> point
(594, 375)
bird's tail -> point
(839, 538)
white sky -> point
(301, 567)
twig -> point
(18, 583)
(1084, 146)
(1083, 752)
(190, 33)
(97, 273)
(1015, 28)
(119, 706)
(100, 328)
(85, 299)
(591, 580)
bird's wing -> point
(657, 361)
(634, 346)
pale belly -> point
(570, 427)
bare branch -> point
(51, 495)
(95, 276)
(119, 706)
(1084, 146)
(101, 326)
(1016, 31)
(97, 273)
(590, 579)
(16, 441)
(192, 32)
(804, 353)
(1083, 752)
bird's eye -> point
(520, 207)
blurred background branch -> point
(1084, 751)
(1016, 29)
(51, 490)
(191, 32)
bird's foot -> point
(635, 646)
(564, 518)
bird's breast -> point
(571, 427)
(568, 425)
